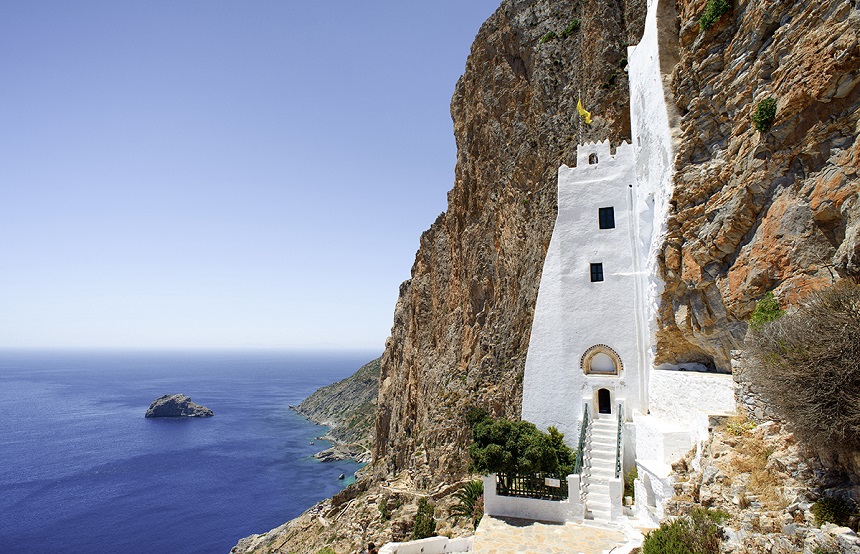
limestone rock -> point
(462, 322)
(754, 212)
(176, 405)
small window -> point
(606, 217)
(592, 158)
(596, 272)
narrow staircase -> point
(601, 469)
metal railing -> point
(580, 449)
(545, 486)
(618, 444)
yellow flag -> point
(584, 114)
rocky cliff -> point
(462, 322)
(348, 408)
(752, 211)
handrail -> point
(618, 445)
(580, 449)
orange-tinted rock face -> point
(755, 212)
(462, 323)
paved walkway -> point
(496, 535)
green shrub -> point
(570, 29)
(714, 10)
(826, 550)
(425, 524)
(767, 309)
(698, 533)
(831, 510)
(326, 550)
(629, 478)
(764, 115)
(469, 502)
(548, 37)
(806, 365)
(475, 415)
(518, 447)
(384, 510)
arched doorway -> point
(604, 402)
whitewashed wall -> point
(654, 127)
(572, 313)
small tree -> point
(807, 366)
(425, 523)
(518, 447)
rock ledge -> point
(176, 405)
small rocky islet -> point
(176, 405)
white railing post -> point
(491, 499)
(574, 491)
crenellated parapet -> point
(593, 153)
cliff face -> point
(348, 408)
(462, 322)
(751, 211)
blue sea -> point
(81, 469)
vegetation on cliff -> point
(347, 407)
(807, 366)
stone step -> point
(598, 490)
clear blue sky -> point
(220, 174)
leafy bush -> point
(698, 533)
(764, 115)
(629, 478)
(326, 550)
(570, 29)
(470, 502)
(425, 524)
(518, 447)
(807, 366)
(767, 309)
(831, 510)
(714, 10)
(548, 37)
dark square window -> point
(607, 217)
(596, 272)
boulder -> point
(177, 405)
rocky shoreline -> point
(347, 408)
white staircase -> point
(600, 452)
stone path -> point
(496, 535)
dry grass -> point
(751, 458)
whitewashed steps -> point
(601, 451)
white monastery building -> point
(590, 357)
(584, 340)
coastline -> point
(339, 450)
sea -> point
(82, 470)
